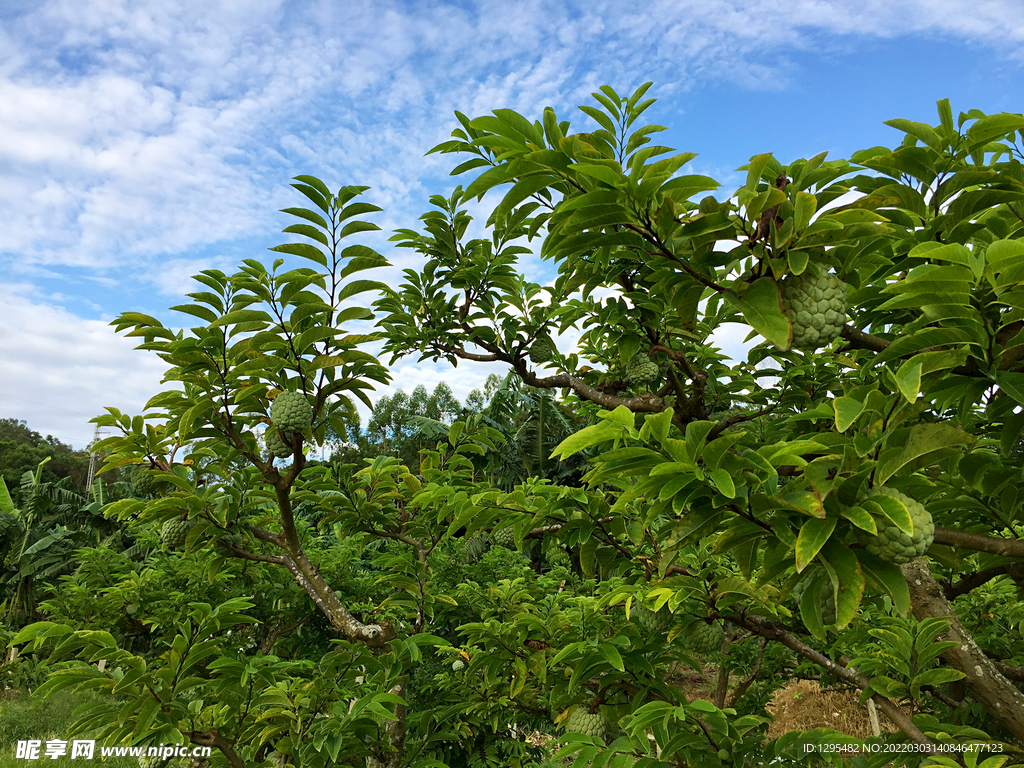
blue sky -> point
(143, 141)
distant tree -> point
(393, 429)
(22, 449)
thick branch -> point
(214, 738)
(975, 580)
(989, 687)
(980, 543)
(327, 601)
(739, 418)
(863, 340)
(1010, 671)
(891, 710)
(644, 403)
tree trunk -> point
(1001, 698)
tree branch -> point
(862, 340)
(980, 543)
(891, 710)
(214, 738)
(975, 580)
(742, 688)
(739, 418)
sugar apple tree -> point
(641, 370)
(653, 622)
(276, 445)
(174, 532)
(505, 537)
(903, 262)
(717, 513)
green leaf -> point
(798, 261)
(921, 131)
(6, 502)
(851, 580)
(303, 250)
(847, 410)
(722, 480)
(886, 576)
(602, 173)
(984, 129)
(1012, 384)
(908, 379)
(813, 535)
(861, 518)
(612, 656)
(241, 316)
(926, 444)
(761, 305)
(803, 210)
(886, 506)
(754, 169)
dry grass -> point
(802, 705)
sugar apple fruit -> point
(581, 721)
(291, 412)
(894, 545)
(641, 370)
(816, 307)
(705, 638)
(826, 598)
(174, 532)
(506, 537)
(557, 556)
(542, 350)
(458, 665)
(655, 622)
(143, 482)
(276, 446)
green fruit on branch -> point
(816, 307)
(506, 537)
(557, 556)
(641, 370)
(826, 596)
(705, 638)
(276, 446)
(174, 532)
(542, 350)
(581, 721)
(232, 539)
(655, 622)
(894, 545)
(291, 412)
(144, 483)
(458, 665)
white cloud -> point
(57, 370)
(139, 133)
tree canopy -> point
(843, 504)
